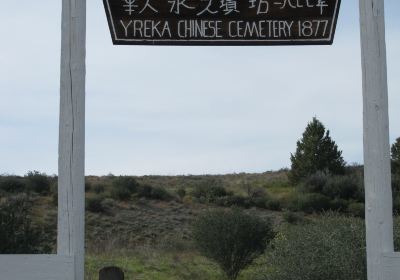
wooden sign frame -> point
(115, 13)
(383, 263)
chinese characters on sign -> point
(222, 22)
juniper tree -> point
(316, 152)
(396, 156)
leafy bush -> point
(348, 186)
(11, 184)
(88, 186)
(273, 204)
(38, 182)
(292, 218)
(330, 248)
(256, 192)
(17, 234)
(150, 192)
(233, 201)
(396, 183)
(209, 193)
(121, 194)
(99, 188)
(231, 238)
(395, 153)
(160, 194)
(345, 187)
(339, 204)
(123, 187)
(181, 192)
(95, 204)
(311, 202)
(396, 204)
(314, 183)
(356, 209)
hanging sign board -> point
(222, 22)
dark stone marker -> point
(111, 273)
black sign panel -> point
(222, 22)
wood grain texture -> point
(36, 267)
(391, 263)
(71, 193)
(378, 193)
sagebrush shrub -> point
(313, 202)
(292, 218)
(12, 184)
(331, 247)
(345, 187)
(209, 193)
(231, 238)
(99, 188)
(356, 209)
(123, 187)
(38, 182)
(314, 183)
(95, 204)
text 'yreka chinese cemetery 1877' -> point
(222, 22)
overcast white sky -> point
(181, 110)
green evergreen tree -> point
(396, 157)
(316, 151)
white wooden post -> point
(71, 180)
(68, 264)
(378, 192)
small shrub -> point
(144, 191)
(38, 182)
(88, 186)
(121, 194)
(396, 204)
(234, 200)
(273, 204)
(345, 187)
(123, 187)
(160, 194)
(396, 183)
(209, 193)
(314, 183)
(395, 155)
(11, 184)
(17, 233)
(108, 204)
(188, 199)
(256, 192)
(356, 209)
(292, 218)
(231, 238)
(331, 247)
(181, 192)
(95, 204)
(54, 193)
(99, 188)
(339, 204)
(150, 192)
(313, 202)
